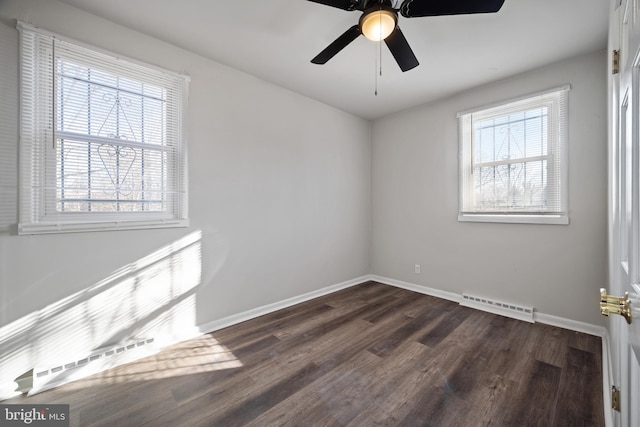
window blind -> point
(102, 139)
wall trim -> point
(573, 325)
(417, 288)
(607, 377)
(279, 305)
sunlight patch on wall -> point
(153, 297)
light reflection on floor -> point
(202, 354)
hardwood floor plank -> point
(471, 369)
(552, 345)
(389, 381)
(339, 321)
(429, 301)
(137, 411)
(536, 404)
(446, 326)
(489, 402)
(374, 416)
(253, 407)
(438, 407)
(578, 403)
(584, 342)
(358, 295)
(400, 304)
(338, 394)
(278, 326)
(248, 356)
(389, 343)
(516, 352)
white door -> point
(624, 206)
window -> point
(102, 140)
(513, 161)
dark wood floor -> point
(368, 355)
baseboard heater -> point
(498, 307)
(45, 378)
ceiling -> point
(276, 39)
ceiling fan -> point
(379, 21)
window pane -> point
(515, 186)
(501, 142)
(512, 136)
(109, 178)
(96, 103)
(485, 141)
(535, 135)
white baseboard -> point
(417, 288)
(270, 308)
(572, 325)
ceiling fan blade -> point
(340, 4)
(418, 8)
(401, 51)
(338, 44)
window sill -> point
(515, 219)
(52, 228)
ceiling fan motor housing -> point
(378, 22)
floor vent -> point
(100, 360)
(498, 307)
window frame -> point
(556, 100)
(38, 164)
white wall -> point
(279, 193)
(557, 269)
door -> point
(624, 206)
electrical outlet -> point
(417, 269)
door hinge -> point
(615, 398)
(615, 62)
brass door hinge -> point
(615, 62)
(616, 305)
(615, 398)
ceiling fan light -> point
(378, 24)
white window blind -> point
(513, 160)
(102, 140)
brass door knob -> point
(615, 305)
